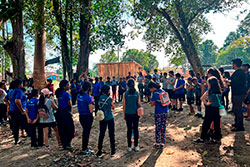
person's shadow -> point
(152, 158)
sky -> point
(222, 25)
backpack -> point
(164, 99)
(43, 111)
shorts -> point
(198, 101)
(247, 101)
(180, 97)
(147, 92)
(171, 93)
(50, 125)
(190, 100)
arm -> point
(35, 120)
(124, 105)
(179, 87)
(153, 103)
(19, 105)
(112, 105)
(139, 101)
(54, 105)
(27, 116)
(91, 108)
(70, 105)
(204, 98)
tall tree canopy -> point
(208, 52)
(147, 60)
(109, 57)
(178, 24)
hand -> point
(174, 89)
(34, 121)
(29, 120)
(23, 112)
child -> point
(197, 90)
(106, 104)
(179, 92)
(190, 95)
(140, 84)
(120, 90)
(24, 123)
(114, 88)
(161, 114)
(96, 93)
(33, 120)
(131, 103)
(170, 86)
(211, 100)
(85, 109)
(46, 99)
(108, 82)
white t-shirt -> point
(2, 96)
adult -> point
(114, 84)
(129, 76)
(73, 91)
(170, 86)
(131, 103)
(140, 80)
(63, 115)
(246, 67)
(238, 83)
(96, 93)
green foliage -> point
(109, 57)
(208, 52)
(145, 59)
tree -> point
(208, 52)
(147, 60)
(12, 10)
(178, 24)
(39, 75)
(109, 57)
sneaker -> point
(129, 149)
(180, 109)
(137, 148)
(191, 113)
(162, 145)
(33, 148)
(238, 129)
(18, 142)
(198, 115)
(157, 145)
(85, 153)
(174, 109)
(113, 153)
(198, 141)
(47, 148)
(99, 154)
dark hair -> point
(1, 84)
(140, 73)
(227, 75)
(96, 79)
(214, 86)
(12, 85)
(62, 84)
(101, 78)
(171, 72)
(18, 82)
(155, 70)
(49, 80)
(178, 75)
(108, 78)
(41, 102)
(23, 89)
(85, 87)
(34, 92)
(221, 70)
(246, 65)
(198, 74)
(153, 85)
(131, 86)
(216, 73)
(237, 62)
(105, 90)
(30, 82)
(72, 80)
(191, 72)
(165, 73)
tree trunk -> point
(15, 46)
(40, 48)
(83, 61)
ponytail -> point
(62, 84)
(131, 86)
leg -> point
(157, 128)
(129, 129)
(237, 108)
(57, 136)
(86, 122)
(33, 135)
(163, 128)
(206, 123)
(103, 126)
(45, 135)
(135, 129)
(216, 120)
(16, 124)
(111, 126)
(40, 134)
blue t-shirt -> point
(32, 108)
(199, 80)
(24, 101)
(96, 88)
(83, 102)
(109, 83)
(101, 84)
(179, 83)
(78, 88)
(159, 109)
(8, 97)
(63, 100)
(73, 88)
(124, 83)
(17, 94)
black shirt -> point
(238, 83)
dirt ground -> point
(182, 129)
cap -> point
(46, 91)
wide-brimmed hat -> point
(46, 91)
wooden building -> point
(111, 69)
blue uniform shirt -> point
(96, 88)
(159, 109)
(179, 83)
(63, 100)
(17, 94)
(83, 102)
(32, 108)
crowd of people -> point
(38, 112)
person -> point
(17, 108)
(246, 67)
(197, 92)
(238, 84)
(190, 95)
(140, 79)
(129, 76)
(50, 85)
(114, 89)
(78, 87)
(96, 93)
(47, 100)
(73, 91)
(191, 73)
(198, 76)
(225, 93)
(179, 92)
(211, 98)
(204, 84)
(131, 103)
(221, 69)
(156, 76)
(101, 83)
(120, 90)
(108, 82)
(106, 105)
(33, 121)
(147, 92)
(3, 106)
(170, 86)
(63, 115)
(85, 109)
(164, 81)
(30, 88)
(160, 113)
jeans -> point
(3, 111)
(132, 121)
(160, 127)
(86, 122)
(237, 109)
(66, 126)
(34, 140)
(17, 121)
(211, 115)
(96, 103)
(103, 127)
